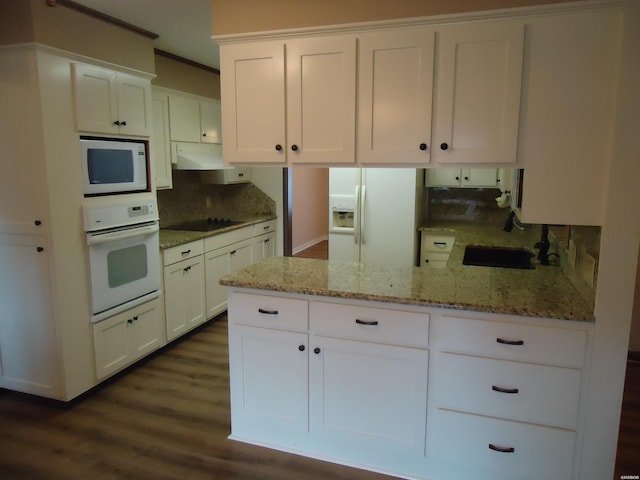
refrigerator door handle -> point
(363, 201)
(356, 217)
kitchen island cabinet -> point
(375, 344)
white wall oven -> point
(124, 255)
(114, 166)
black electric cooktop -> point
(206, 225)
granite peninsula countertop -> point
(173, 238)
(542, 292)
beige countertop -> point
(173, 238)
(542, 292)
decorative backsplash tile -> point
(192, 200)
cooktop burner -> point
(207, 225)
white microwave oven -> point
(111, 166)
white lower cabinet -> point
(359, 400)
(504, 397)
(347, 381)
(127, 337)
(184, 286)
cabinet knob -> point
(466, 179)
(129, 320)
(40, 249)
(37, 223)
(135, 318)
(457, 178)
(123, 124)
(278, 147)
(444, 146)
(294, 147)
(316, 350)
(301, 348)
(423, 146)
(116, 123)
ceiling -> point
(183, 26)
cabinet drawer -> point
(224, 239)
(550, 345)
(437, 243)
(182, 252)
(511, 390)
(264, 227)
(465, 441)
(371, 324)
(268, 311)
(430, 259)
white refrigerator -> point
(374, 215)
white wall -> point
(310, 207)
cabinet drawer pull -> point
(372, 323)
(498, 448)
(186, 252)
(268, 312)
(440, 244)
(509, 342)
(495, 388)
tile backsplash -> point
(192, 200)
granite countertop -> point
(542, 292)
(173, 238)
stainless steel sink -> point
(505, 257)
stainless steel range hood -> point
(197, 156)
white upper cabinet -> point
(314, 123)
(463, 177)
(111, 102)
(395, 83)
(184, 118)
(210, 121)
(321, 99)
(477, 94)
(252, 88)
(160, 148)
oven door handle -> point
(97, 238)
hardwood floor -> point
(168, 418)
(319, 250)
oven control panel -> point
(104, 216)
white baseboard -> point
(308, 244)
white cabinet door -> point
(268, 383)
(253, 89)
(395, 84)
(240, 256)
(160, 148)
(111, 102)
(263, 247)
(367, 397)
(28, 346)
(96, 99)
(477, 102)
(184, 296)
(462, 177)
(321, 99)
(216, 266)
(126, 337)
(210, 121)
(134, 105)
(184, 118)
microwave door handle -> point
(97, 238)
